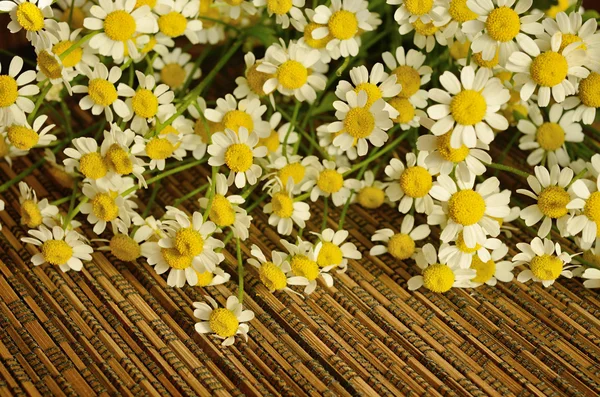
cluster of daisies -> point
(306, 122)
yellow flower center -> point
(149, 46)
(484, 270)
(172, 24)
(149, 3)
(92, 166)
(568, 38)
(549, 69)
(330, 181)
(304, 267)
(460, 244)
(239, 157)
(104, 207)
(438, 278)
(30, 214)
(460, 50)
(56, 252)
(283, 205)
(449, 153)
(77, 18)
(460, 12)
(416, 181)
(503, 24)
(418, 7)
(401, 246)
(478, 58)
(159, 148)
(234, 119)
(294, 170)
(173, 75)
(279, 7)
(9, 91)
(30, 17)
(343, 25)
(221, 211)
(562, 5)
(144, 103)
(409, 79)
(48, 65)
(370, 197)
(589, 90)
(204, 129)
(314, 43)
(188, 242)
(550, 136)
(468, 107)
(175, 259)
(373, 92)
(546, 267)
(292, 75)
(272, 277)
(592, 209)
(22, 137)
(119, 25)
(102, 92)
(256, 79)
(405, 109)
(553, 201)
(359, 122)
(330, 254)
(118, 160)
(124, 248)
(222, 321)
(466, 207)
(271, 142)
(74, 56)
(204, 278)
(424, 29)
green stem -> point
(164, 175)
(67, 118)
(60, 201)
(151, 200)
(578, 176)
(240, 272)
(211, 194)
(74, 212)
(344, 210)
(39, 101)
(376, 155)
(509, 169)
(78, 44)
(302, 197)
(190, 195)
(291, 127)
(325, 210)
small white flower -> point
(225, 323)
(284, 210)
(303, 263)
(331, 251)
(232, 115)
(587, 201)
(13, 103)
(34, 213)
(178, 18)
(31, 15)
(174, 68)
(159, 148)
(275, 274)
(25, 137)
(281, 10)
(546, 262)
(400, 246)
(86, 158)
(326, 180)
(410, 184)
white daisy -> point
(411, 74)
(545, 260)
(303, 263)
(25, 137)
(326, 180)
(86, 158)
(209, 279)
(331, 251)
(231, 114)
(275, 274)
(410, 11)
(34, 212)
(234, 8)
(284, 210)
(492, 270)
(62, 39)
(279, 136)
(203, 128)
(370, 193)
(587, 99)
(117, 153)
(306, 28)
(402, 245)
(178, 18)
(212, 32)
(587, 201)
(31, 15)
(174, 68)
(281, 9)
(225, 323)
(459, 14)
(462, 256)
(251, 84)
(410, 184)
(13, 101)
(293, 166)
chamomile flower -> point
(189, 141)
(34, 212)
(25, 137)
(174, 68)
(504, 27)
(284, 210)
(411, 11)
(547, 139)
(275, 274)
(437, 276)
(124, 247)
(279, 136)
(550, 190)
(295, 70)
(119, 24)
(587, 99)
(370, 193)
(148, 102)
(101, 93)
(335, 152)
(360, 121)
(546, 262)
(117, 153)
(587, 200)
(547, 69)
(224, 322)
(492, 270)
(303, 263)
(212, 32)
(331, 251)
(402, 245)
(307, 27)
(50, 68)
(13, 101)
(343, 22)
(470, 210)
(177, 18)
(251, 84)
(237, 151)
(327, 179)
(159, 148)
(459, 14)
(62, 38)
(72, 13)
(209, 279)
(292, 166)
(469, 108)
(281, 9)
(85, 157)
(31, 15)
(411, 74)
(234, 8)
(231, 114)
(226, 211)
(8, 151)
(410, 184)
(462, 256)
(203, 128)
(65, 249)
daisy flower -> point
(177, 18)
(72, 12)
(285, 211)
(472, 211)
(469, 107)
(159, 148)
(295, 70)
(360, 121)
(437, 276)
(251, 84)
(174, 68)
(148, 102)
(402, 245)
(224, 322)
(504, 29)
(25, 137)
(62, 39)
(293, 166)
(411, 11)
(547, 139)
(335, 152)
(50, 67)
(369, 192)
(101, 93)
(343, 22)
(231, 114)
(545, 260)
(411, 74)
(234, 8)
(410, 184)
(306, 28)
(327, 179)
(426, 34)
(277, 138)
(331, 251)
(34, 213)
(8, 151)
(63, 249)
(547, 69)
(210, 279)
(212, 32)
(549, 189)
(275, 274)
(188, 140)
(237, 152)
(203, 128)
(587, 200)
(13, 101)
(462, 256)
(226, 211)
(587, 99)
(33, 16)
(303, 263)
(281, 9)
(459, 14)
(86, 158)
(119, 24)
(117, 153)
(124, 247)
(493, 270)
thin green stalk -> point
(164, 175)
(344, 211)
(78, 44)
(240, 272)
(152, 200)
(325, 210)
(503, 167)
(67, 118)
(190, 195)
(39, 101)
(74, 212)
(60, 201)
(376, 155)
(291, 127)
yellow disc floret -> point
(302, 266)
(425, 29)
(102, 92)
(401, 246)
(589, 90)
(234, 119)
(462, 246)
(272, 276)
(172, 24)
(144, 103)
(315, 43)
(104, 207)
(30, 214)
(22, 137)
(223, 322)
(438, 278)
(343, 25)
(460, 12)
(159, 148)
(549, 69)
(468, 107)
(119, 25)
(48, 65)
(174, 259)
(553, 201)
(449, 153)
(57, 252)
(329, 254)
(484, 270)
(74, 56)
(239, 157)
(567, 39)
(292, 74)
(409, 79)
(294, 170)
(478, 58)
(373, 92)
(550, 136)
(359, 122)
(204, 278)
(466, 207)
(283, 205)
(271, 142)
(546, 267)
(124, 248)
(173, 75)
(9, 91)
(149, 3)
(29, 16)
(279, 7)
(256, 79)
(592, 210)
(416, 181)
(330, 181)
(118, 160)
(503, 24)
(92, 166)
(370, 197)
(221, 211)
(418, 7)
(188, 242)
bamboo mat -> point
(116, 329)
